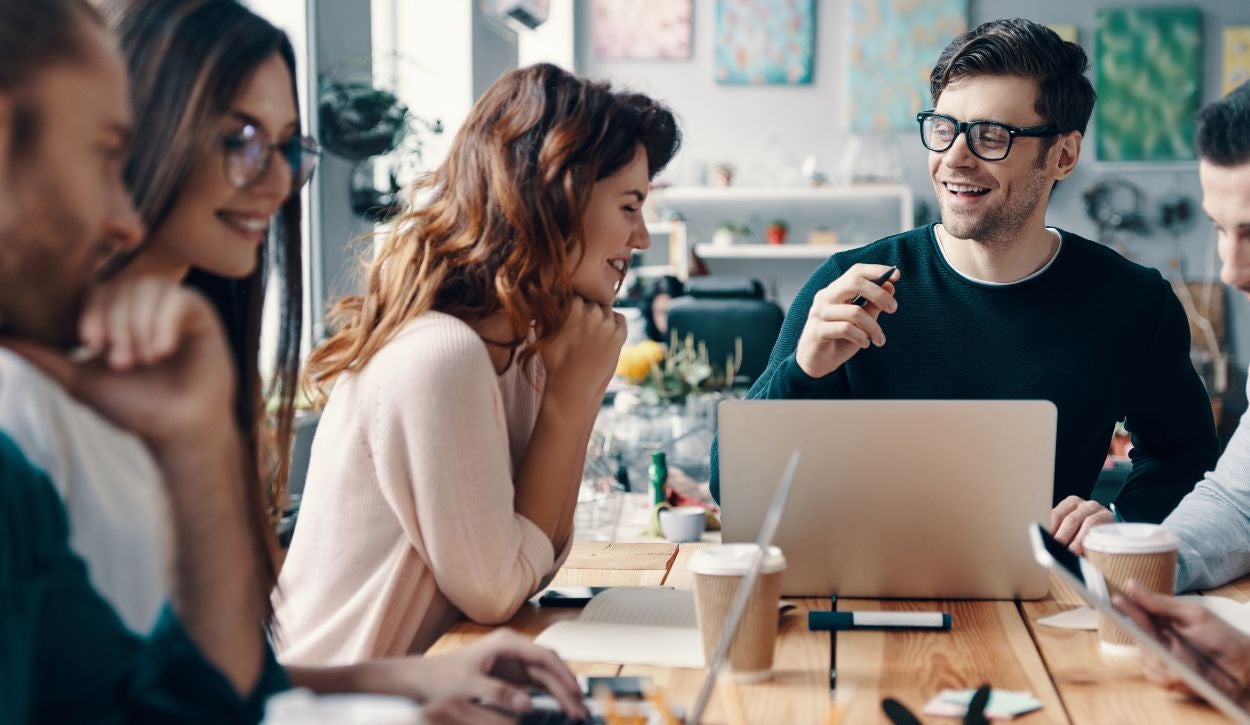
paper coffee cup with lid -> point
(1145, 553)
(717, 572)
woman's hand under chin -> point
(581, 359)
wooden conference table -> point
(995, 642)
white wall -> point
(757, 128)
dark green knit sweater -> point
(1102, 338)
(65, 655)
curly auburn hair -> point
(500, 228)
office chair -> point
(719, 309)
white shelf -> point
(771, 196)
(785, 193)
(770, 251)
(857, 213)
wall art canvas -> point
(633, 30)
(1148, 65)
(1236, 56)
(764, 42)
(1067, 31)
(894, 46)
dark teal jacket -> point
(66, 657)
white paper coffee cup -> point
(717, 572)
(1145, 553)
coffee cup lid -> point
(1131, 539)
(734, 560)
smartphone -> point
(568, 596)
(1204, 675)
(621, 688)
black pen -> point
(861, 300)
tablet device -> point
(1207, 678)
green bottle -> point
(659, 475)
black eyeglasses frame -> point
(306, 147)
(966, 127)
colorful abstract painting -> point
(1236, 56)
(632, 30)
(1148, 76)
(894, 46)
(765, 41)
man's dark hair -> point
(1020, 47)
(1224, 129)
(35, 34)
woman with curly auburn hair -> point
(467, 377)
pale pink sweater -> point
(407, 518)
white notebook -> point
(631, 626)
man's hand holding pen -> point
(843, 318)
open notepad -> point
(631, 626)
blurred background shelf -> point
(852, 214)
(769, 251)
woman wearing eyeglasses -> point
(215, 169)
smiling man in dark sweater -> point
(993, 304)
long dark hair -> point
(187, 60)
(504, 218)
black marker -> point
(861, 300)
(818, 621)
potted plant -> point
(372, 128)
(357, 120)
(730, 232)
(776, 232)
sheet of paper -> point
(1235, 613)
(642, 606)
(1078, 618)
(1003, 704)
(624, 644)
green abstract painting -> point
(1148, 76)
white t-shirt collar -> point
(1034, 275)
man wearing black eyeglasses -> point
(993, 304)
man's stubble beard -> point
(999, 228)
(40, 296)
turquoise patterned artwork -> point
(894, 44)
(765, 41)
(1148, 77)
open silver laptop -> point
(896, 498)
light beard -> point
(41, 297)
(999, 228)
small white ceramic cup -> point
(683, 524)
